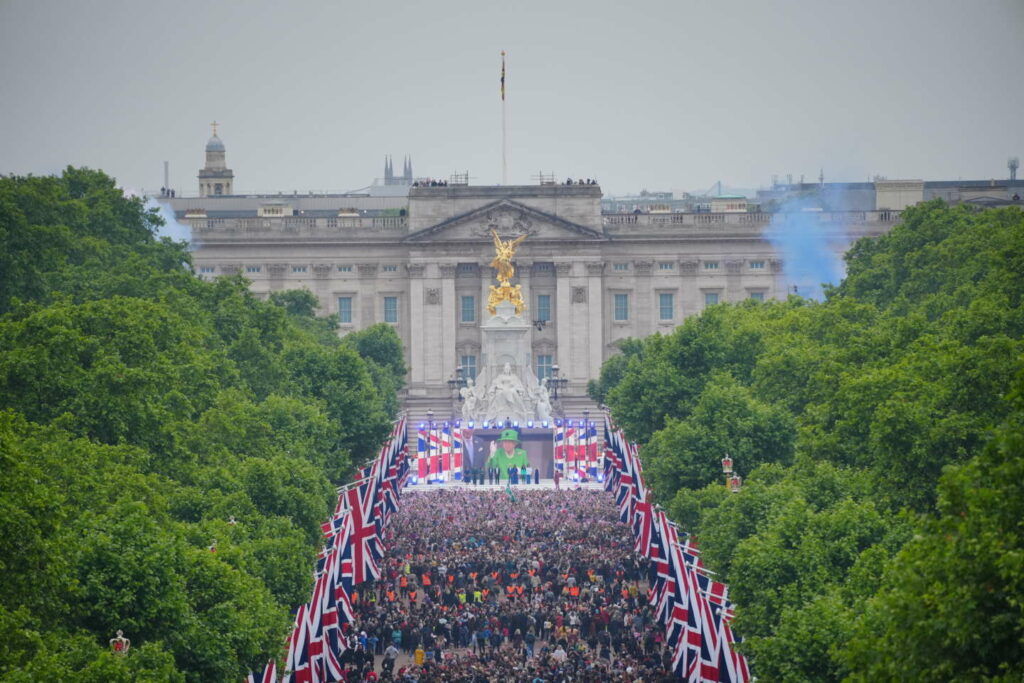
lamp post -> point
(732, 480)
(457, 382)
(557, 382)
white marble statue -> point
(471, 401)
(543, 402)
(506, 398)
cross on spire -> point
(214, 126)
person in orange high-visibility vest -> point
(412, 596)
(510, 589)
(519, 590)
(574, 592)
(426, 580)
(403, 582)
(392, 596)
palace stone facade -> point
(419, 260)
(589, 280)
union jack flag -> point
(269, 674)
(299, 668)
(732, 666)
(643, 521)
(422, 462)
(362, 506)
(457, 451)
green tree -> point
(950, 605)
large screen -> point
(479, 444)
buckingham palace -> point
(416, 254)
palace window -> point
(468, 313)
(545, 361)
(253, 269)
(757, 265)
(468, 363)
(345, 309)
(666, 306)
(710, 298)
(207, 269)
(621, 307)
(711, 265)
(344, 269)
(620, 266)
(757, 296)
(298, 269)
(389, 268)
(391, 309)
(544, 307)
(666, 265)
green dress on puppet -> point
(508, 454)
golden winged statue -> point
(503, 253)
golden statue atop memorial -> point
(503, 253)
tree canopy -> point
(169, 445)
(875, 536)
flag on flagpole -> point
(502, 75)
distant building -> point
(215, 178)
(883, 194)
(415, 254)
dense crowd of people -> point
(481, 586)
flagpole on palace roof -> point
(504, 128)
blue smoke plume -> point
(171, 227)
(811, 251)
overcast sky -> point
(658, 95)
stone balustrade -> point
(632, 222)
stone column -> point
(780, 290)
(449, 306)
(644, 322)
(563, 318)
(595, 327)
(523, 271)
(367, 294)
(734, 280)
(417, 362)
(689, 296)
(485, 290)
(321, 275)
(275, 274)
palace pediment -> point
(509, 219)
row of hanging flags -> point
(440, 449)
(694, 608)
(353, 549)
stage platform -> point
(516, 488)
